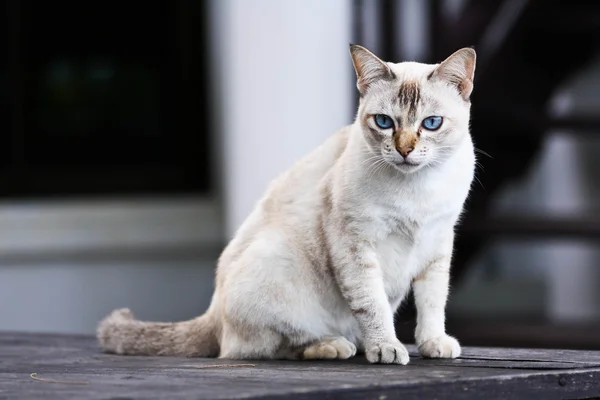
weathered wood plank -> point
(493, 373)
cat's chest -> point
(399, 260)
(403, 254)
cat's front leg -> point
(360, 279)
(431, 292)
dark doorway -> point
(104, 98)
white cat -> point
(322, 263)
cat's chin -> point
(407, 167)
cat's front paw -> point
(440, 347)
(387, 353)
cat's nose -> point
(405, 150)
(405, 141)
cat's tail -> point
(121, 333)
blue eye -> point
(383, 121)
(432, 123)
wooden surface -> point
(72, 367)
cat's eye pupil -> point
(432, 123)
(384, 121)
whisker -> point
(376, 164)
(478, 180)
(381, 165)
(370, 159)
(483, 152)
(445, 147)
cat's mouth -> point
(407, 165)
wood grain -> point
(480, 373)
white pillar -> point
(284, 84)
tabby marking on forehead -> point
(410, 96)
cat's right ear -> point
(369, 68)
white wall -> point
(71, 296)
(287, 82)
(64, 265)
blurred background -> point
(136, 137)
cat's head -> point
(414, 115)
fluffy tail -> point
(121, 333)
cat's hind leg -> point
(249, 342)
(335, 347)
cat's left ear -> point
(458, 70)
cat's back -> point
(299, 185)
(292, 200)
